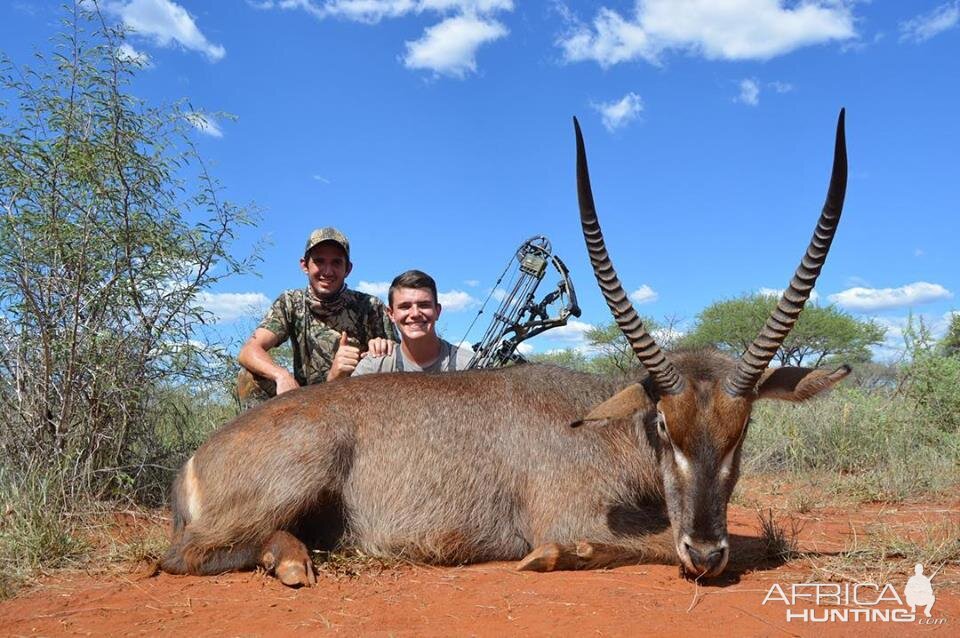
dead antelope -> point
(483, 465)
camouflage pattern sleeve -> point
(277, 320)
(381, 326)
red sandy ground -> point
(489, 599)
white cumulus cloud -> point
(204, 123)
(126, 53)
(714, 29)
(375, 288)
(450, 47)
(749, 92)
(455, 300)
(620, 112)
(229, 306)
(525, 348)
(573, 332)
(644, 294)
(926, 25)
(165, 22)
(862, 299)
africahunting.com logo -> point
(858, 602)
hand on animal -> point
(379, 347)
(286, 382)
(346, 359)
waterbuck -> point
(484, 465)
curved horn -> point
(663, 373)
(781, 320)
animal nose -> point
(707, 557)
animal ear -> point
(791, 383)
(631, 399)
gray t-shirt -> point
(451, 358)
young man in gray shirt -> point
(414, 309)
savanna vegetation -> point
(111, 231)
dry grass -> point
(352, 564)
(778, 541)
(888, 550)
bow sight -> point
(519, 316)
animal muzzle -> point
(703, 558)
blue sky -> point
(437, 135)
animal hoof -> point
(296, 573)
(542, 559)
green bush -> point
(111, 233)
(873, 440)
(932, 382)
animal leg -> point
(287, 558)
(582, 555)
(549, 557)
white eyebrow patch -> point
(726, 465)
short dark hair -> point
(413, 279)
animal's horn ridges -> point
(757, 357)
(661, 370)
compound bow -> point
(519, 316)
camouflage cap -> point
(329, 233)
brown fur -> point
(462, 467)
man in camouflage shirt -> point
(330, 327)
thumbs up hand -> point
(345, 360)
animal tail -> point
(186, 557)
(190, 553)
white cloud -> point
(373, 11)
(615, 41)
(644, 294)
(447, 48)
(621, 112)
(165, 22)
(499, 294)
(450, 47)
(473, 283)
(868, 299)
(780, 87)
(455, 300)
(320, 178)
(465, 6)
(573, 332)
(229, 306)
(375, 288)
(204, 123)
(126, 53)
(749, 92)
(525, 348)
(778, 292)
(368, 11)
(924, 26)
(894, 344)
(741, 30)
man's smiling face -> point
(415, 313)
(327, 268)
